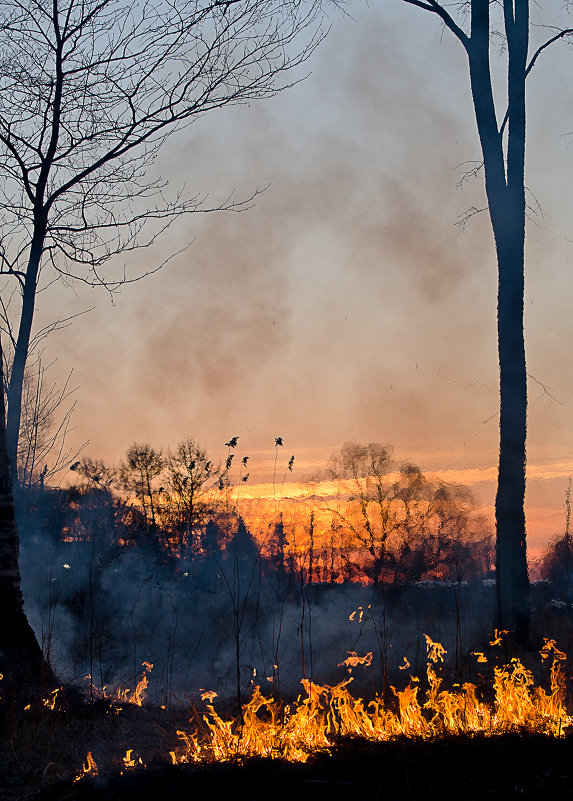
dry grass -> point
(42, 748)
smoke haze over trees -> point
(243, 590)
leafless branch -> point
(546, 390)
(559, 35)
(447, 19)
(464, 218)
(471, 170)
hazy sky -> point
(346, 303)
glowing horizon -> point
(543, 522)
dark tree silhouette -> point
(191, 478)
(142, 466)
(21, 659)
(407, 526)
(504, 170)
(363, 472)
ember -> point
(89, 768)
(353, 659)
(50, 701)
(131, 762)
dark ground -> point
(461, 768)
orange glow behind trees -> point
(365, 519)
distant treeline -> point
(386, 524)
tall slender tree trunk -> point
(511, 558)
(504, 170)
(511, 552)
(21, 661)
(505, 190)
(21, 351)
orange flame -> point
(497, 637)
(123, 695)
(481, 657)
(50, 701)
(325, 713)
(130, 762)
(88, 769)
(139, 694)
(352, 660)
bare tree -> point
(407, 525)
(363, 472)
(504, 171)
(46, 407)
(96, 472)
(142, 465)
(89, 92)
(191, 479)
(45, 423)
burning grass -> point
(325, 714)
(58, 750)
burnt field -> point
(512, 766)
(508, 767)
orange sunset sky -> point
(345, 304)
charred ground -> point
(512, 766)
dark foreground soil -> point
(462, 768)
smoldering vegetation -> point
(199, 622)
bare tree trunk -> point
(15, 388)
(511, 560)
(21, 661)
(505, 191)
